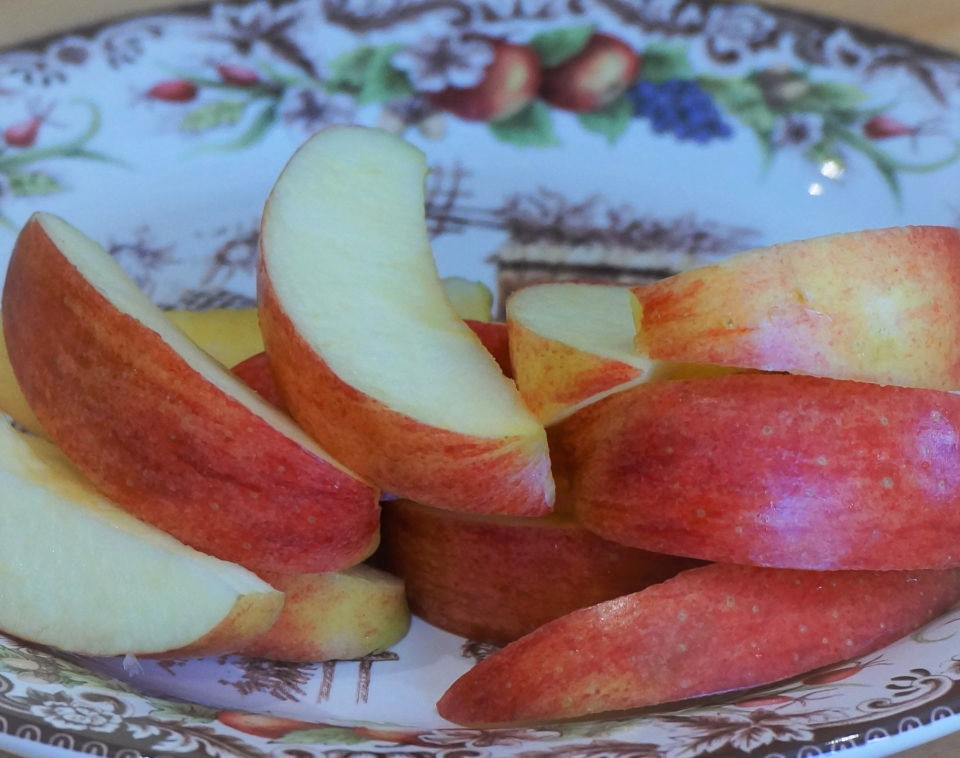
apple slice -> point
(163, 429)
(708, 630)
(256, 373)
(776, 470)
(229, 334)
(494, 337)
(84, 576)
(496, 578)
(12, 400)
(471, 299)
(571, 344)
(337, 615)
(881, 305)
(369, 355)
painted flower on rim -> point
(842, 49)
(735, 30)
(440, 62)
(798, 130)
(64, 712)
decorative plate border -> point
(728, 55)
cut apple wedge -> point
(228, 334)
(494, 337)
(708, 630)
(337, 615)
(881, 305)
(256, 373)
(571, 344)
(12, 400)
(775, 470)
(163, 429)
(495, 578)
(471, 299)
(368, 352)
(82, 575)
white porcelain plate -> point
(160, 136)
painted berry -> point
(679, 107)
(24, 133)
(885, 127)
(240, 76)
(173, 91)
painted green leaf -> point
(368, 75)
(664, 62)
(166, 710)
(330, 735)
(559, 45)
(825, 151)
(213, 115)
(253, 133)
(743, 99)
(829, 97)
(34, 184)
(531, 127)
(611, 121)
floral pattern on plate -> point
(722, 126)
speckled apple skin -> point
(708, 630)
(775, 470)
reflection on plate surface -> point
(161, 135)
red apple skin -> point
(594, 77)
(494, 579)
(345, 420)
(881, 305)
(256, 373)
(775, 470)
(509, 83)
(164, 442)
(708, 630)
(493, 335)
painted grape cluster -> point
(681, 108)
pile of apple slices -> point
(786, 415)
(712, 482)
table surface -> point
(933, 21)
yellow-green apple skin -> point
(337, 615)
(366, 349)
(708, 630)
(495, 578)
(12, 400)
(229, 335)
(163, 429)
(82, 575)
(471, 299)
(881, 305)
(771, 469)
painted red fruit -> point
(594, 77)
(509, 84)
(240, 76)
(173, 91)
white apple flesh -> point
(80, 574)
